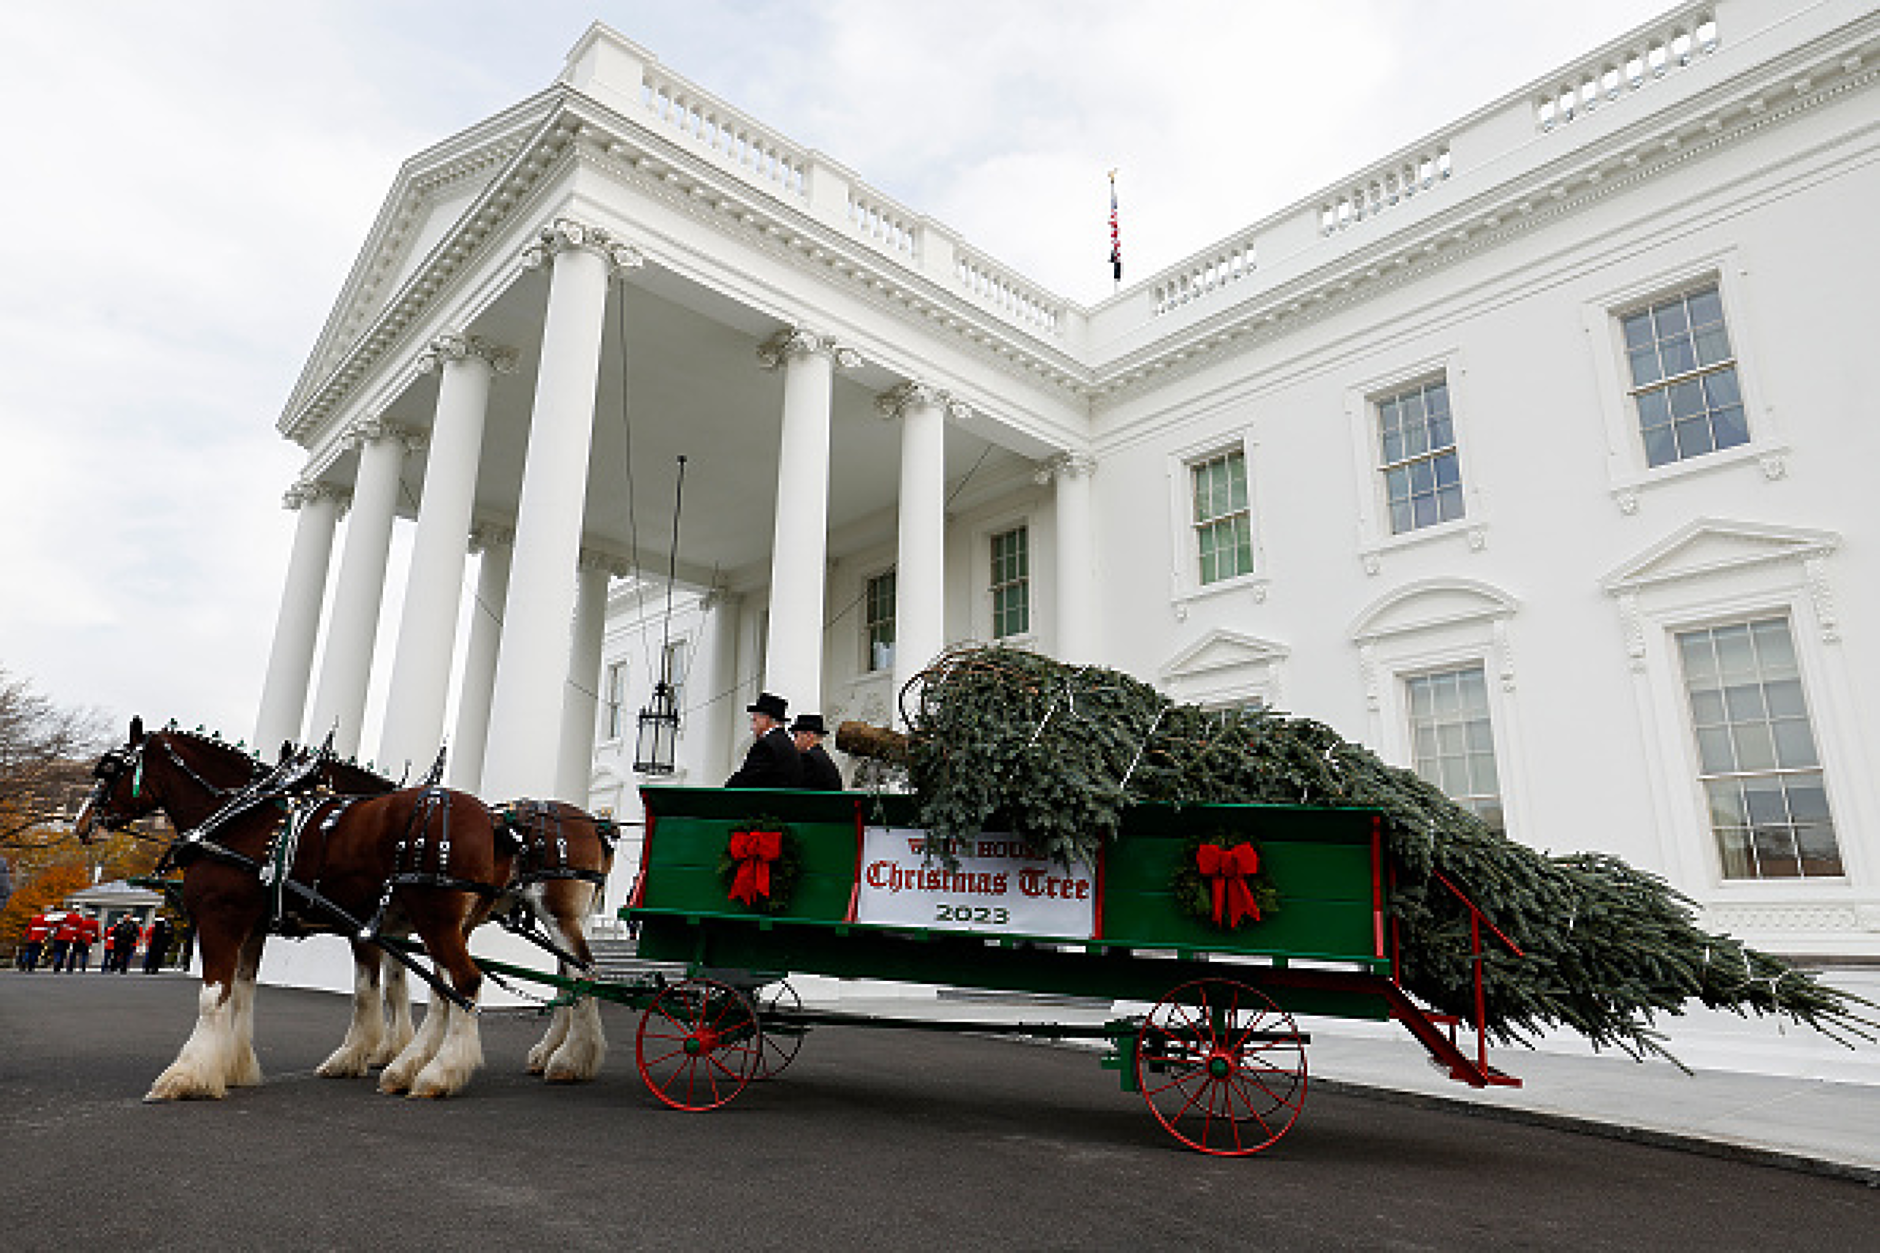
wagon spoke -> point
(1209, 1076)
(698, 1044)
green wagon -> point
(1224, 921)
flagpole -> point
(1116, 242)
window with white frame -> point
(1684, 382)
(675, 671)
(1417, 457)
(615, 699)
(1223, 522)
(878, 622)
(1011, 583)
(1757, 763)
(1452, 743)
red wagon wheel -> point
(699, 1044)
(781, 1039)
(1222, 1067)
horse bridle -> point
(113, 764)
(107, 772)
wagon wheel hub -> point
(1220, 1065)
(701, 1042)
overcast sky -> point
(190, 181)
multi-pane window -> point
(1417, 455)
(1452, 743)
(675, 671)
(878, 621)
(1223, 523)
(1756, 752)
(1684, 377)
(615, 699)
(1011, 583)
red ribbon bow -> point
(1226, 870)
(754, 851)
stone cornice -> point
(1593, 164)
(1579, 178)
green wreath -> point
(760, 865)
(1245, 893)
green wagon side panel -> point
(1318, 860)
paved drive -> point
(889, 1140)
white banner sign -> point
(995, 886)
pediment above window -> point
(1709, 546)
(1432, 603)
(1221, 650)
(1225, 666)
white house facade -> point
(1534, 456)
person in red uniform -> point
(64, 935)
(37, 930)
(88, 932)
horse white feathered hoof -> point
(212, 1058)
(550, 1043)
(582, 1049)
(460, 1056)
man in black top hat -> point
(819, 772)
(772, 760)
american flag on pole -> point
(1116, 237)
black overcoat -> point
(819, 771)
(771, 762)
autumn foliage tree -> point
(46, 752)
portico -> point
(552, 309)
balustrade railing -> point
(751, 148)
(1384, 188)
(886, 223)
(1024, 302)
(1625, 68)
(1210, 271)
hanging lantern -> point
(657, 747)
(658, 742)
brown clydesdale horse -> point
(423, 861)
(563, 857)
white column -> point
(290, 660)
(525, 710)
(580, 703)
(1079, 622)
(800, 536)
(464, 769)
(339, 703)
(711, 695)
(427, 631)
(920, 550)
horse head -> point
(117, 797)
(161, 770)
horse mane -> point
(236, 754)
(349, 778)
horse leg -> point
(365, 1035)
(417, 1054)
(557, 1032)
(446, 938)
(398, 1025)
(578, 1054)
(244, 1068)
(202, 1068)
